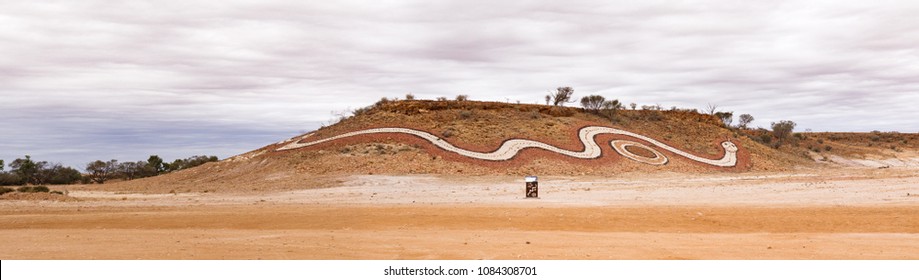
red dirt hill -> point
(483, 127)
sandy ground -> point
(853, 213)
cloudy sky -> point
(83, 80)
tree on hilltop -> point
(726, 117)
(561, 96)
(745, 119)
(593, 102)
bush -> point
(5, 190)
(783, 129)
(593, 102)
(34, 189)
(409, 96)
(10, 179)
(465, 114)
(535, 115)
(765, 138)
(360, 111)
(827, 148)
(448, 133)
(819, 141)
(777, 144)
(190, 162)
(726, 117)
(441, 98)
(608, 109)
(382, 101)
(462, 97)
(59, 175)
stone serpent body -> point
(512, 147)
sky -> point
(85, 80)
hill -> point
(469, 138)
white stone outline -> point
(511, 147)
(620, 147)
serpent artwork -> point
(512, 147)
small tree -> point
(610, 107)
(462, 97)
(711, 109)
(633, 105)
(101, 171)
(744, 120)
(156, 164)
(592, 102)
(561, 96)
(409, 96)
(783, 129)
(131, 170)
(1, 165)
(726, 117)
(27, 170)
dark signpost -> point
(532, 189)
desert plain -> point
(820, 213)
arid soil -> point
(823, 213)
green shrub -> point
(765, 138)
(5, 190)
(828, 148)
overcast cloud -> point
(84, 80)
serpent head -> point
(729, 147)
